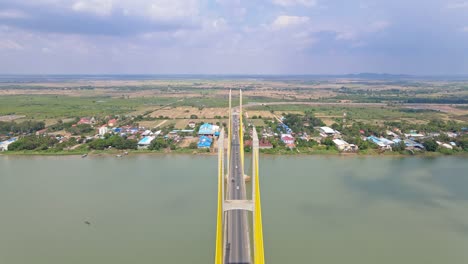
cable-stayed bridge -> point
(238, 240)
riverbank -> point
(282, 152)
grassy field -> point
(366, 114)
(208, 98)
(43, 107)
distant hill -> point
(385, 76)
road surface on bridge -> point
(238, 238)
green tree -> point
(399, 146)
(33, 143)
(158, 143)
(430, 145)
(328, 142)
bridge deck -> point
(237, 241)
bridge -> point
(234, 241)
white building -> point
(103, 130)
(444, 145)
(287, 139)
(327, 131)
(147, 133)
(4, 144)
(345, 146)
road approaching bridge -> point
(233, 237)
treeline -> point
(437, 100)
(398, 97)
(60, 125)
(113, 141)
(435, 125)
(23, 127)
(296, 122)
(161, 143)
(33, 143)
(80, 129)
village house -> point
(204, 142)
(192, 124)
(4, 145)
(345, 146)
(413, 145)
(208, 130)
(145, 142)
(103, 130)
(383, 143)
(414, 134)
(328, 132)
(112, 122)
(451, 134)
(147, 133)
(41, 132)
(287, 139)
(444, 145)
(264, 144)
(84, 121)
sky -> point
(421, 37)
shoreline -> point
(196, 153)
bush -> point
(23, 127)
(115, 142)
(328, 142)
(33, 143)
(430, 145)
(158, 143)
(193, 145)
(80, 129)
(399, 146)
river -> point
(162, 209)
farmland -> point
(171, 103)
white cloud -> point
(458, 5)
(356, 33)
(172, 9)
(98, 7)
(161, 10)
(10, 45)
(46, 50)
(465, 29)
(16, 14)
(378, 26)
(282, 22)
(346, 35)
(308, 3)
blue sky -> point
(233, 36)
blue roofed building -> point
(383, 143)
(204, 142)
(145, 142)
(208, 129)
(413, 144)
(4, 145)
